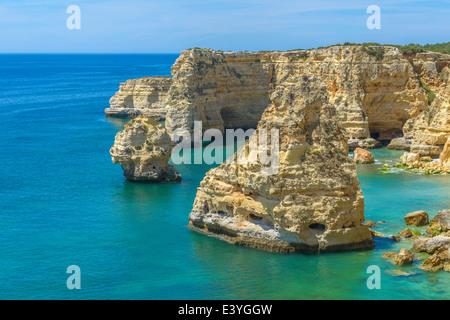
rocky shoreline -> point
(435, 242)
(322, 103)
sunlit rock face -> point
(311, 202)
(143, 148)
(377, 98)
(141, 96)
(427, 132)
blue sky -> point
(144, 26)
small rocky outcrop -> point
(407, 233)
(415, 163)
(437, 244)
(362, 156)
(370, 224)
(417, 218)
(440, 224)
(143, 148)
(311, 203)
(404, 257)
(432, 264)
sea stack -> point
(311, 203)
(143, 148)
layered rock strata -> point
(146, 96)
(143, 148)
(310, 203)
(427, 132)
(381, 97)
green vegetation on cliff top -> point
(408, 49)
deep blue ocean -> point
(63, 202)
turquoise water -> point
(64, 203)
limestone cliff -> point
(143, 148)
(221, 89)
(141, 96)
(312, 203)
(375, 95)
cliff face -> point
(141, 96)
(429, 131)
(143, 148)
(312, 203)
(374, 96)
(223, 90)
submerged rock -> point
(143, 148)
(363, 156)
(311, 202)
(416, 218)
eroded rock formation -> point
(143, 148)
(376, 97)
(427, 133)
(311, 203)
(141, 96)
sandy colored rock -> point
(416, 218)
(431, 129)
(432, 264)
(148, 95)
(311, 203)
(370, 224)
(404, 257)
(444, 157)
(143, 148)
(419, 244)
(426, 164)
(407, 233)
(389, 255)
(362, 156)
(377, 234)
(383, 98)
(440, 224)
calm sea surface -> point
(63, 202)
